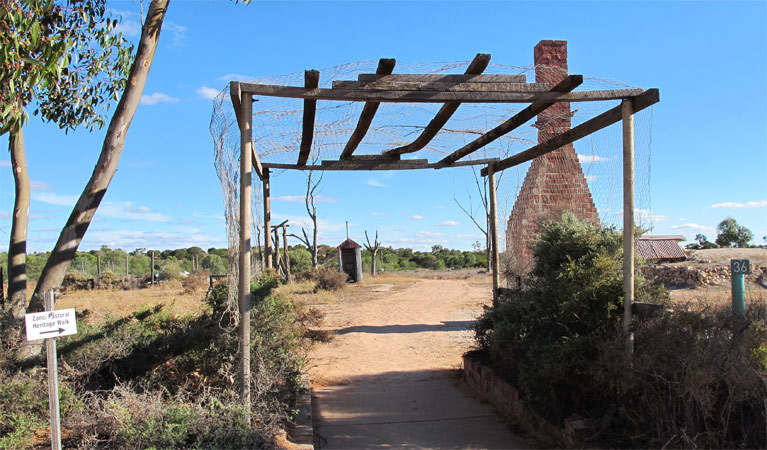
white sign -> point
(50, 324)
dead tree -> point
(373, 249)
(311, 209)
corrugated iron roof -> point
(655, 248)
(349, 244)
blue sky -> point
(709, 132)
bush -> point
(325, 279)
(558, 339)
(172, 271)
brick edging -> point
(504, 397)
(301, 431)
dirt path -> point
(388, 377)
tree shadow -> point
(460, 325)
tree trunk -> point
(373, 269)
(73, 232)
(315, 264)
(17, 248)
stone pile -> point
(689, 276)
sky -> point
(708, 135)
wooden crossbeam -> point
(566, 85)
(639, 102)
(443, 86)
(385, 67)
(363, 95)
(311, 81)
(433, 77)
(377, 164)
(477, 66)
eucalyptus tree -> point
(64, 60)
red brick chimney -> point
(554, 184)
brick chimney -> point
(554, 183)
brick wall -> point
(554, 183)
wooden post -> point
(285, 251)
(277, 250)
(493, 232)
(98, 266)
(151, 269)
(246, 180)
(628, 222)
(53, 380)
(267, 219)
(127, 274)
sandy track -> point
(387, 379)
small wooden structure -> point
(450, 91)
(658, 249)
(350, 260)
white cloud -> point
(5, 215)
(587, 159)
(380, 214)
(376, 183)
(448, 223)
(5, 163)
(55, 199)
(416, 217)
(302, 199)
(233, 77)
(179, 33)
(429, 234)
(208, 92)
(591, 177)
(761, 204)
(126, 210)
(157, 97)
(647, 215)
(130, 239)
(40, 185)
(691, 226)
(129, 28)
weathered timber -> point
(639, 102)
(311, 81)
(243, 301)
(493, 230)
(363, 95)
(435, 77)
(385, 67)
(627, 115)
(477, 66)
(443, 86)
(566, 85)
(256, 160)
(378, 164)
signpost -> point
(49, 325)
(739, 268)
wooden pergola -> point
(450, 91)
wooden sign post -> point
(49, 325)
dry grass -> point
(716, 295)
(118, 303)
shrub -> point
(325, 279)
(558, 339)
(172, 271)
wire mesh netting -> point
(277, 130)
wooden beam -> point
(236, 95)
(246, 185)
(493, 219)
(639, 102)
(440, 86)
(435, 77)
(256, 161)
(385, 67)
(311, 81)
(566, 85)
(477, 66)
(280, 225)
(627, 115)
(377, 164)
(363, 95)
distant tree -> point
(702, 243)
(300, 259)
(215, 263)
(729, 233)
(373, 249)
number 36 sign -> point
(740, 266)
